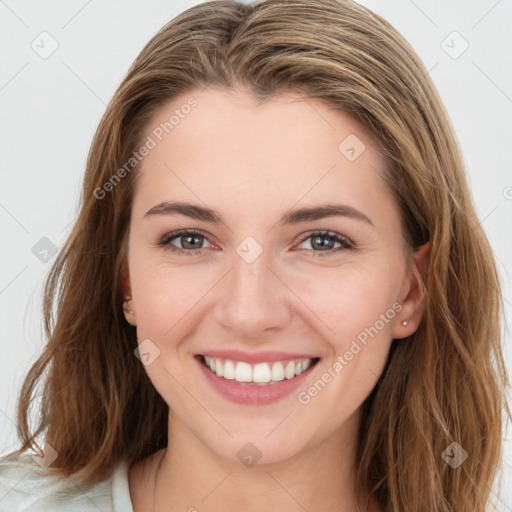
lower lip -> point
(252, 395)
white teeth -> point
(260, 374)
(243, 372)
(289, 371)
(229, 370)
(277, 372)
(305, 364)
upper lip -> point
(256, 357)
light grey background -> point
(50, 108)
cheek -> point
(359, 307)
(348, 301)
(164, 293)
(360, 311)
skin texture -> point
(251, 163)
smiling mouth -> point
(260, 374)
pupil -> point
(322, 238)
(187, 237)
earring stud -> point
(405, 322)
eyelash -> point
(165, 242)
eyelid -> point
(165, 240)
(327, 233)
(346, 242)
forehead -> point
(285, 149)
(235, 116)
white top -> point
(24, 487)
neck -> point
(188, 476)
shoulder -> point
(26, 486)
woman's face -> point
(266, 285)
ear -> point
(126, 291)
(413, 305)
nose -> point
(252, 299)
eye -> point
(317, 240)
(189, 239)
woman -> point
(277, 294)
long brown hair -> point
(442, 385)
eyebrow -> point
(290, 217)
